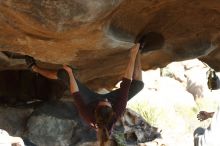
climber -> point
(100, 111)
(104, 112)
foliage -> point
(175, 117)
(119, 138)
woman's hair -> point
(104, 116)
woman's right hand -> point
(203, 115)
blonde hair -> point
(104, 116)
(103, 136)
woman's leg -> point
(63, 75)
(50, 74)
(31, 63)
(60, 74)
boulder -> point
(95, 36)
(59, 124)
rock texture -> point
(59, 124)
(95, 36)
(17, 86)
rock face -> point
(95, 36)
(59, 124)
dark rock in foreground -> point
(58, 124)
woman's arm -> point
(31, 63)
(73, 84)
(137, 74)
(121, 103)
(137, 84)
(78, 99)
(130, 67)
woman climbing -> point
(100, 111)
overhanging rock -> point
(95, 36)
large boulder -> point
(95, 36)
(59, 124)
